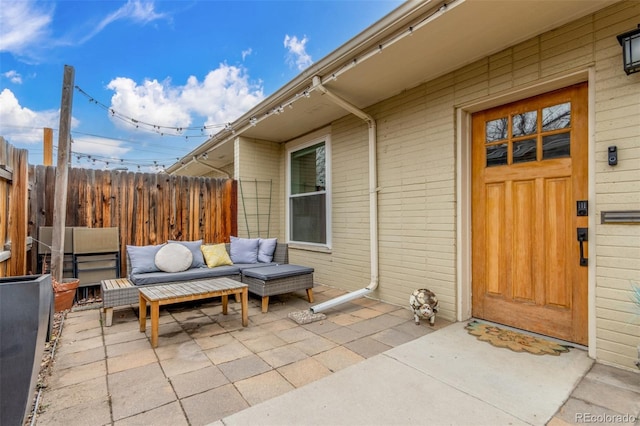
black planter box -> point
(26, 314)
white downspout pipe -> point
(373, 200)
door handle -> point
(582, 237)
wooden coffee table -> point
(168, 294)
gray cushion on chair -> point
(274, 272)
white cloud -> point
(246, 53)
(26, 130)
(141, 12)
(23, 127)
(224, 95)
(23, 24)
(100, 147)
(151, 102)
(20, 125)
(297, 55)
(13, 76)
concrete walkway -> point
(446, 377)
(366, 364)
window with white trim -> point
(308, 207)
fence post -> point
(62, 171)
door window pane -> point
(497, 155)
(525, 124)
(496, 130)
(524, 151)
(556, 117)
(555, 146)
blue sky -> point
(178, 70)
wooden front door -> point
(529, 170)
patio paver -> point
(262, 387)
(138, 390)
(243, 368)
(198, 381)
(212, 405)
(304, 371)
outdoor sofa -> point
(262, 264)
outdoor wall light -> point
(630, 42)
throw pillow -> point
(194, 246)
(142, 258)
(244, 250)
(174, 257)
(216, 255)
(266, 247)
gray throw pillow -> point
(244, 250)
(266, 247)
(143, 258)
(194, 246)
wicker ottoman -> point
(272, 280)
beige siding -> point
(417, 200)
(260, 187)
(346, 264)
(617, 122)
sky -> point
(154, 79)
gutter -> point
(373, 200)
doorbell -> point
(613, 155)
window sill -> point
(309, 247)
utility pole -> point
(62, 174)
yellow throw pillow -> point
(216, 255)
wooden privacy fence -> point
(14, 193)
(147, 208)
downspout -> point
(373, 200)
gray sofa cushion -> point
(189, 274)
(266, 247)
(274, 272)
(142, 259)
(244, 250)
(194, 246)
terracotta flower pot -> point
(64, 293)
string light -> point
(155, 128)
(94, 160)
